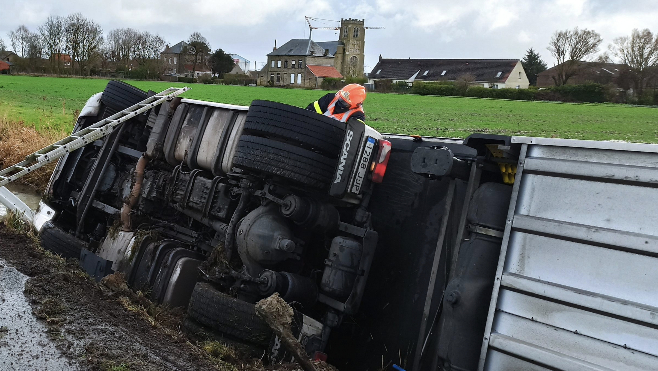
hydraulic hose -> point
(129, 203)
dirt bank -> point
(99, 328)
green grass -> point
(46, 102)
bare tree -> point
(148, 47)
(74, 33)
(198, 47)
(83, 41)
(639, 52)
(121, 43)
(52, 37)
(33, 50)
(2, 45)
(19, 40)
(569, 48)
(91, 44)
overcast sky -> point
(412, 29)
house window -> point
(300, 64)
(425, 74)
(175, 62)
(345, 32)
(299, 78)
(285, 64)
(519, 75)
(443, 73)
(292, 78)
(356, 32)
(292, 63)
(273, 64)
(272, 77)
(278, 77)
(278, 64)
(499, 73)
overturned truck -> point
(395, 251)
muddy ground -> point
(106, 326)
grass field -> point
(52, 104)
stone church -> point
(305, 63)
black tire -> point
(228, 315)
(59, 242)
(284, 160)
(118, 95)
(296, 126)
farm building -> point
(8, 56)
(602, 73)
(5, 67)
(304, 62)
(490, 73)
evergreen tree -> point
(221, 63)
(533, 65)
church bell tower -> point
(352, 35)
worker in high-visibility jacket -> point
(345, 104)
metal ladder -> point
(83, 137)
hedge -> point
(589, 93)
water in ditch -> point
(24, 342)
(25, 193)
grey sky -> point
(413, 28)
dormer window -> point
(443, 73)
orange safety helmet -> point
(352, 94)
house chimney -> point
(380, 57)
(274, 45)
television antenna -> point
(335, 28)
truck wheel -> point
(118, 95)
(228, 315)
(59, 242)
(284, 160)
(296, 126)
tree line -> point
(638, 51)
(76, 45)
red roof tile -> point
(324, 71)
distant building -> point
(5, 67)
(289, 63)
(489, 73)
(8, 56)
(596, 72)
(65, 59)
(245, 64)
(176, 61)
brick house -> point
(289, 63)
(490, 73)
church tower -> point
(352, 35)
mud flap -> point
(94, 265)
